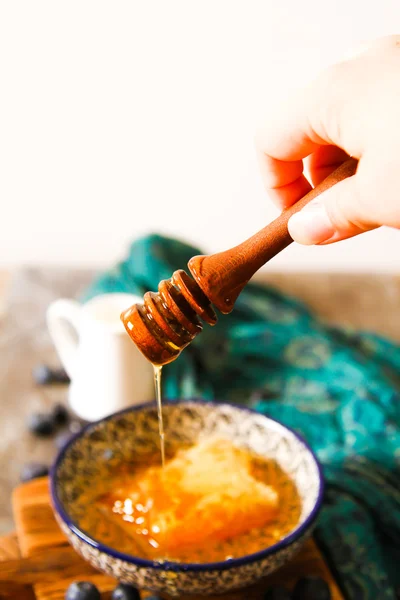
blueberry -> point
(62, 439)
(32, 471)
(311, 588)
(45, 375)
(60, 414)
(277, 593)
(123, 591)
(41, 424)
(82, 590)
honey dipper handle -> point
(222, 276)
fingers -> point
(326, 113)
(333, 216)
(319, 115)
(324, 161)
(351, 109)
(281, 146)
(284, 181)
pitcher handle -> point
(63, 318)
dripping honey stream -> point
(158, 389)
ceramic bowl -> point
(104, 444)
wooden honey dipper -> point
(169, 320)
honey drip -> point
(157, 386)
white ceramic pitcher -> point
(107, 371)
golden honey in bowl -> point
(210, 502)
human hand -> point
(352, 109)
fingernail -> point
(311, 225)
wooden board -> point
(38, 564)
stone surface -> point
(362, 301)
(24, 343)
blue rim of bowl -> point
(181, 566)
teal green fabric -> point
(339, 389)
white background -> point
(121, 118)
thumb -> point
(335, 215)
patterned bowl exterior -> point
(99, 447)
